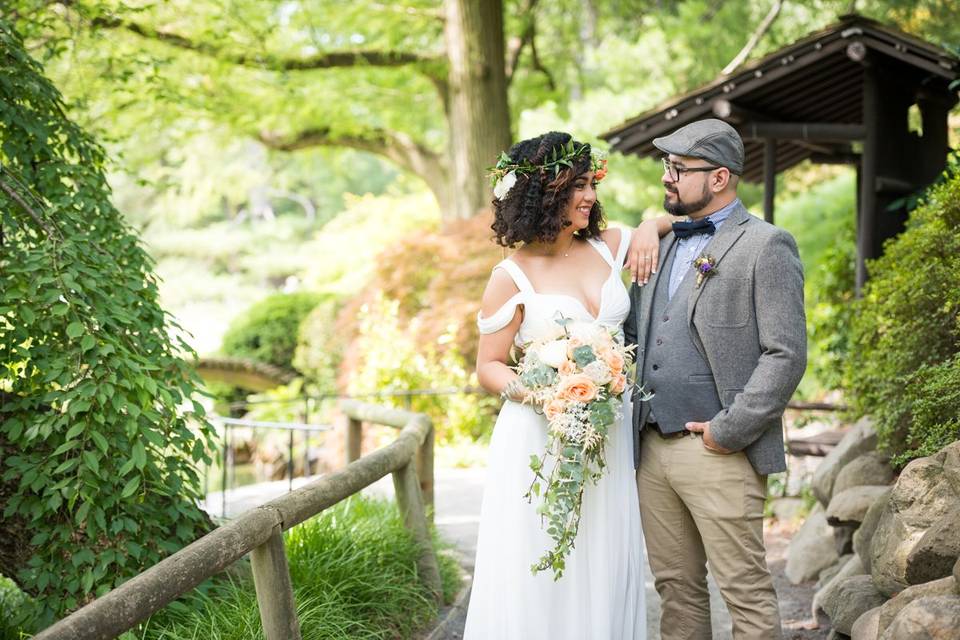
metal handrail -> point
(288, 426)
(260, 533)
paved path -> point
(457, 493)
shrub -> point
(98, 461)
(267, 332)
(905, 331)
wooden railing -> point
(259, 532)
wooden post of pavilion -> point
(769, 177)
(867, 214)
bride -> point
(546, 202)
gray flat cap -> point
(712, 140)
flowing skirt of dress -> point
(601, 593)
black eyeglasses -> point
(675, 171)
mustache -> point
(670, 190)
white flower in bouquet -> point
(599, 372)
(553, 353)
(588, 333)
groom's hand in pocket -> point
(708, 441)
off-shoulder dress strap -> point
(502, 316)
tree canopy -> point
(381, 77)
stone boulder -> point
(811, 549)
(825, 596)
(927, 492)
(890, 609)
(937, 551)
(864, 534)
(849, 507)
(827, 574)
(843, 538)
(865, 628)
(860, 439)
(851, 599)
(933, 618)
(871, 468)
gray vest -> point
(674, 371)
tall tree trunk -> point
(479, 116)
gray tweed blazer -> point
(748, 322)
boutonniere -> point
(706, 266)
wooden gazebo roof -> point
(807, 96)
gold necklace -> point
(566, 252)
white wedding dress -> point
(601, 593)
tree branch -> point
(517, 46)
(754, 39)
(397, 147)
(319, 61)
(538, 65)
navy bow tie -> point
(692, 228)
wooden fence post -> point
(271, 577)
(354, 436)
(407, 488)
(425, 472)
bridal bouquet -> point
(576, 376)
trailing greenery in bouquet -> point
(576, 376)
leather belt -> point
(670, 435)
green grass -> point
(354, 574)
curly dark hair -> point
(533, 210)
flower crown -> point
(504, 175)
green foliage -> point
(18, 611)
(932, 396)
(268, 331)
(354, 575)
(99, 455)
(391, 359)
(906, 331)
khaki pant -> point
(698, 507)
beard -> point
(680, 208)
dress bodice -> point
(540, 310)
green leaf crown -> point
(559, 158)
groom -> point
(721, 346)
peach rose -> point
(577, 388)
(619, 384)
(567, 367)
(554, 408)
(612, 359)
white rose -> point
(599, 372)
(504, 184)
(553, 353)
(586, 332)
